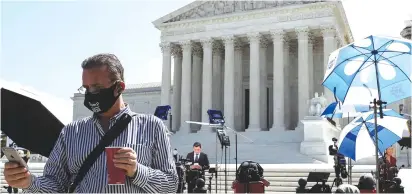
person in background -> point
(366, 184)
(197, 156)
(145, 155)
(199, 161)
(302, 186)
(390, 160)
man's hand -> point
(16, 176)
(125, 159)
(195, 166)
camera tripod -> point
(209, 186)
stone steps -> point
(283, 178)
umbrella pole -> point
(375, 112)
(350, 164)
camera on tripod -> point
(340, 162)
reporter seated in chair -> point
(197, 156)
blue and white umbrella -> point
(356, 140)
(339, 110)
(373, 68)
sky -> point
(44, 42)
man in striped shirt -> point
(146, 154)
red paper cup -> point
(115, 176)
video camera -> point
(249, 171)
(340, 161)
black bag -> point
(107, 139)
(249, 171)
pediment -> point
(204, 9)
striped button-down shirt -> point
(146, 134)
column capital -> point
(277, 35)
(264, 43)
(328, 31)
(254, 36)
(177, 51)
(302, 32)
(165, 47)
(230, 39)
(206, 43)
(197, 50)
(311, 39)
(217, 47)
(186, 45)
(239, 44)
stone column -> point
(254, 86)
(303, 72)
(217, 75)
(287, 85)
(263, 83)
(196, 85)
(329, 45)
(186, 86)
(239, 86)
(229, 80)
(310, 64)
(177, 87)
(278, 80)
(166, 74)
(207, 81)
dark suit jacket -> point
(203, 160)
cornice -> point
(289, 13)
(181, 10)
(348, 37)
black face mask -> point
(102, 101)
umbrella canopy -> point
(26, 121)
(356, 140)
(339, 110)
(373, 68)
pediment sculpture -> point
(215, 8)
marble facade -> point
(260, 62)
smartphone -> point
(13, 156)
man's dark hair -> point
(112, 63)
(197, 144)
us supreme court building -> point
(260, 62)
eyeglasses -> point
(92, 89)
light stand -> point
(377, 104)
(162, 112)
(216, 118)
(410, 134)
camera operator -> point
(340, 162)
(199, 162)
